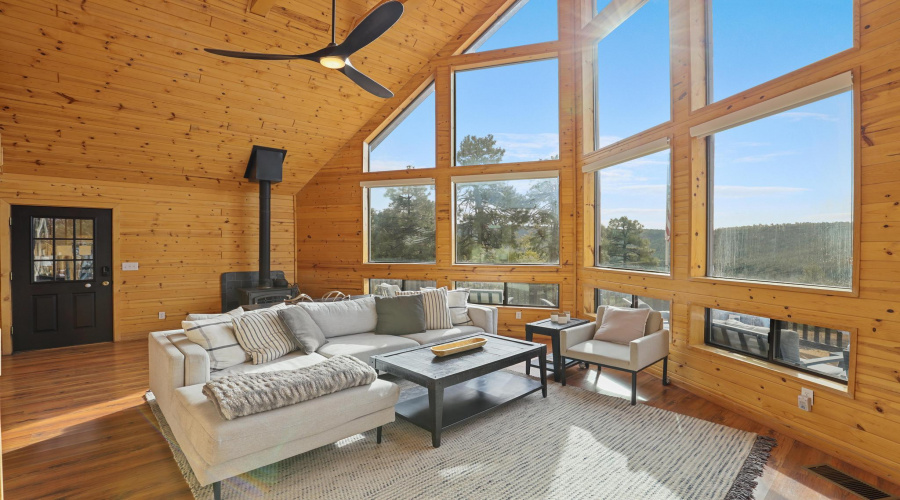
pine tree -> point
(474, 150)
(624, 244)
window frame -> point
(534, 175)
(401, 280)
(454, 103)
(506, 294)
(367, 226)
(773, 338)
(702, 175)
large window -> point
(409, 141)
(633, 214)
(753, 41)
(508, 221)
(822, 351)
(619, 299)
(524, 22)
(507, 113)
(632, 75)
(781, 197)
(401, 223)
(511, 294)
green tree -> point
(474, 150)
(404, 231)
(623, 244)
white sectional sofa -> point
(217, 449)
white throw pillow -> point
(458, 301)
(437, 308)
(263, 335)
(231, 313)
(621, 326)
(216, 336)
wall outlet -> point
(162, 315)
(804, 403)
(129, 266)
(808, 393)
(518, 314)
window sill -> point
(797, 376)
(790, 287)
(630, 272)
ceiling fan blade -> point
(372, 27)
(367, 84)
(264, 57)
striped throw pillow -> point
(263, 335)
(216, 336)
(437, 308)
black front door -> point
(61, 276)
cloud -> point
(643, 188)
(528, 147)
(755, 191)
(796, 116)
(762, 158)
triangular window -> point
(524, 22)
(409, 141)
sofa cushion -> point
(442, 335)
(306, 332)
(216, 337)
(344, 317)
(363, 345)
(263, 335)
(217, 440)
(605, 353)
(458, 301)
(400, 315)
(232, 313)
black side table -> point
(551, 329)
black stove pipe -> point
(265, 233)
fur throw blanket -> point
(245, 394)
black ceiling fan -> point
(336, 56)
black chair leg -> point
(633, 388)
(378, 434)
(666, 370)
(217, 490)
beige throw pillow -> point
(621, 326)
(263, 335)
(216, 336)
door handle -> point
(106, 283)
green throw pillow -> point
(400, 315)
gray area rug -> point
(574, 444)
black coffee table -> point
(461, 386)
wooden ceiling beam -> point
(261, 7)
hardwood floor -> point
(75, 425)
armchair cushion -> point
(604, 353)
(621, 326)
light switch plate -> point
(803, 403)
(129, 266)
(809, 394)
(162, 315)
(518, 314)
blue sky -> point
(786, 168)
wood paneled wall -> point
(862, 423)
(182, 239)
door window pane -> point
(43, 250)
(508, 222)
(54, 249)
(782, 197)
(65, 249)
(64, 270)
(85, 269)
(524, 22)
(401, 224)
(633, 211)
(507, 113)
(64, 228)
(43, 271)
(84, 228)
(820, 350)
(43, 227)
(754, 41)
(740, 332)
(409, 141)
(632, 75)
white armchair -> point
(578, 343)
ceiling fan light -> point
(333, 62)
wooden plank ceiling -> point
(122, 90)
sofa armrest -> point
(571, 337)
(649, 349)
(484, 317)
(166, 367)
(196, 362)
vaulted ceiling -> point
(122, 90)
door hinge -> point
(10, 331)
(10, 276)
(10, 221)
